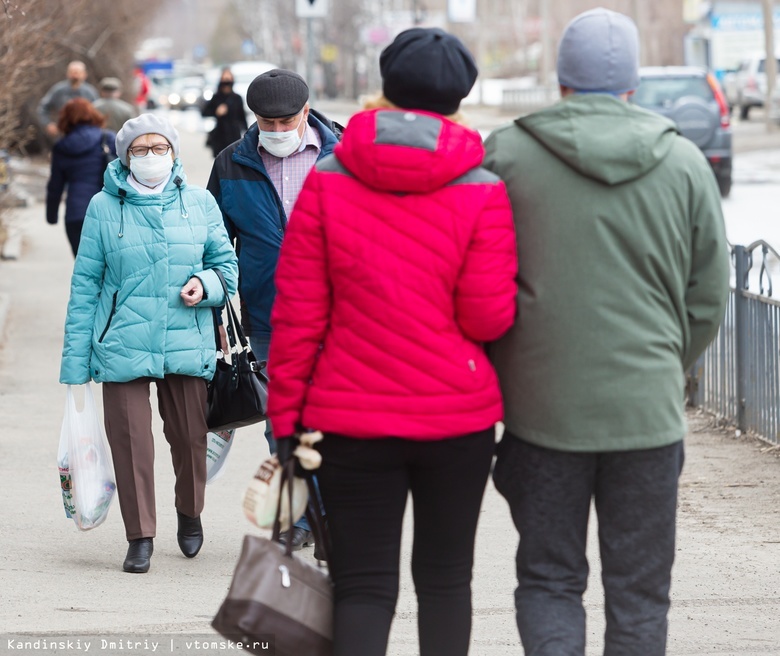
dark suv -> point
(693, 99)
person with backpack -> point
(78, 162)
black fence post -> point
(742, 266)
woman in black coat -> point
(228, 108)
(78, 161)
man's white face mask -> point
(281, 144)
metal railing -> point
(738, 376)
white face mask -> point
(281, 144)
(151, 169)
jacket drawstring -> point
(122, 194)
(184, 213)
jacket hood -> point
(407, 151)
(602, 137)
(82, 139)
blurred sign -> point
(311, 8)
(694, 10)
(329, 53)
(462, 11)
(248, 47)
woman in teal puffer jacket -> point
(140, 311)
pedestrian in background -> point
(111, 105)
(140, 311)
(256, 182)
(78, 161)
(227, 107)
(623, 281)
(142, 86)
(74, 86)
(398, 264)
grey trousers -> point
(549, 494)
(128, 420)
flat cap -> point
(277, 93)
(110, 84)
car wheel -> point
(724, 184)
(744, 110)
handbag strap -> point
(234, 325)
(313, 511)
(316, 521)
(288, 472)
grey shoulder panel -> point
(331, 164)
(408, 129)
(477, 175)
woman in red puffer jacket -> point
(399, 263)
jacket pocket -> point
(110, 317)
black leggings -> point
(364, 485)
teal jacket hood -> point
(590, 134)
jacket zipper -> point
(110, 317)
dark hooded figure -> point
(228, 108)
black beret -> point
(427, 68)
(277, 94)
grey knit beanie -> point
(599, 52)
(141, 125)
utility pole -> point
(770, 61)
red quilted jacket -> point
(398, 263)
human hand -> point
(285, 447)
(223, 340)
(192, 292)
(51, 130)
(221, 110)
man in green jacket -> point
(623, 282)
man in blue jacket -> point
(256, 182)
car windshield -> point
(665, 91)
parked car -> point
(750, 83)
(187, 92)
(693, 99)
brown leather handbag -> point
(277, 603)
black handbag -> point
(277, 603)
(238, 393)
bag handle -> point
(313, 511)
(234, 325)
(317, 522)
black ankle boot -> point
(190, 535)
(139, 554)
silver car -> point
(692, 98)
(750, 83)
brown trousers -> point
(128, 420)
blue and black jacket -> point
(255, 220)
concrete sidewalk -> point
(60, 582)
